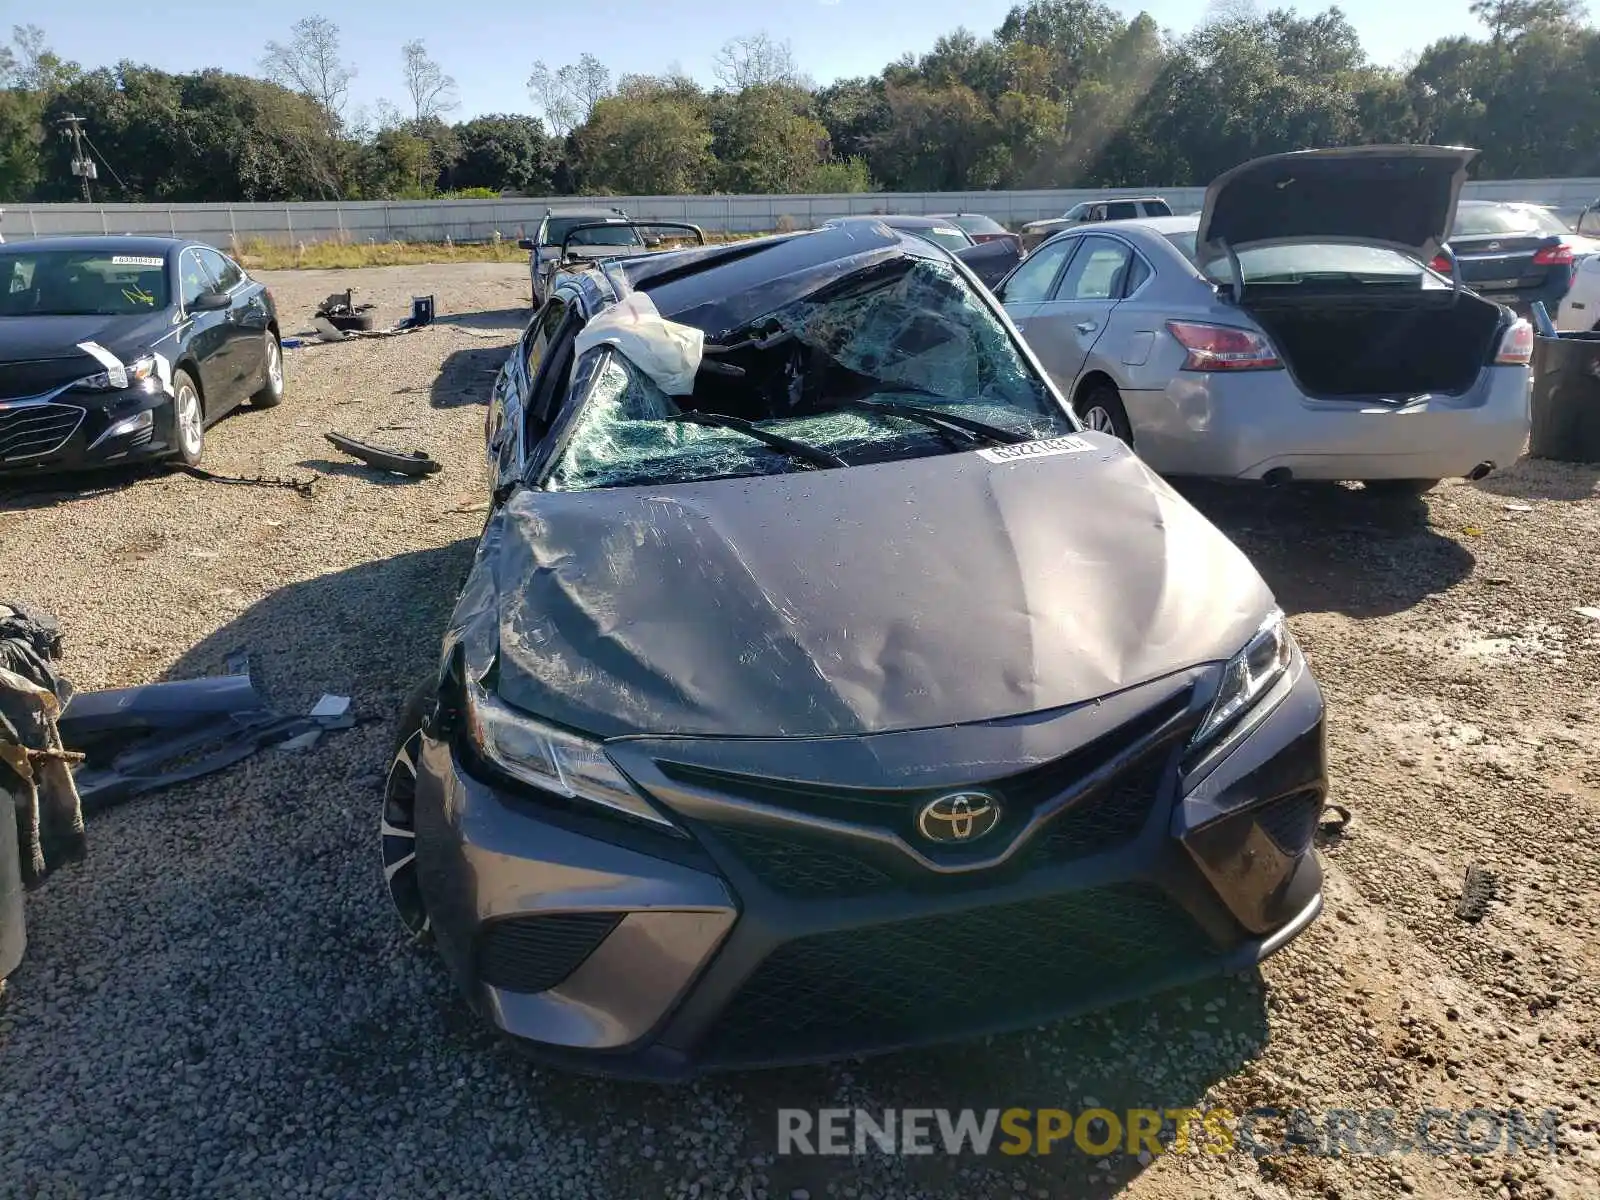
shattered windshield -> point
(898, 360)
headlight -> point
(135, 374)
(1249, 675)
(549, 758)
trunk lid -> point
(1400, 197)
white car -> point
(1580, 308)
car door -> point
(206, 337)
(1064, 327)
(507, 423)
(246, 321)
(1034, 280)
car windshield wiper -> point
(994, 435)
(814, 455)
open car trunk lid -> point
(1400, 197)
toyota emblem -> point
(959, 817)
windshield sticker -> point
(115, 371)
(1043, 449)
(945, 229)
(136, 260)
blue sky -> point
(489, 45)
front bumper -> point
(1249, 424)
(71, 430)
(803, 925)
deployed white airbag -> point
(669, 353)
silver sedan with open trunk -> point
(1291, 330)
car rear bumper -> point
(1247, 426)
(661, 957)
(70, 432)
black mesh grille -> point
(1105, 819)
(531, 954)
(937, 976)
(1096, 822)
(800, 868)
(35, 430)
(1291, 821)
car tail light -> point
(1516, 345)
(1554, 256)
(1441, 264)
(1223, 348)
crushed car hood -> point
(898, 596)
(1401, 197)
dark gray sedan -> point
(821, 687)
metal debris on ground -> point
(400, 462)
(342, 312)
(1332, 824)
(303, 486)
(35, 767)
(1479, 887)
(330, 326)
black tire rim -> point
(398, 836)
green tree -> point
(504, 151)
(765, 140)
(646, 140)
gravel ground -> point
(218, 1002)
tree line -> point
(1065, 93)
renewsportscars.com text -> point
(1099, 1132)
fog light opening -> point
(1277, 476)
(1479, 471)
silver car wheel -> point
(1099, 420)
(398, 836)
(191, 422)
(274, 365)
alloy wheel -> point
(1099, 420)
(398, 836)
(191, 424)
(274, 365)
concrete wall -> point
(480, 220)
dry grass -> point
(271, 256)
(268, 256)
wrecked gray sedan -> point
(821, 687)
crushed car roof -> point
(720, 288)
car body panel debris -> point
(384, 458)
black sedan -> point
(123, 349)
(1513, 254)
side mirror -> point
(211, 302)
(526, 244)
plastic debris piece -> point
(400, 462)
(1480, 886)
(1472, 531)
(302, 741)
(1592, 613)
(1515, 506)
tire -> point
(397, 828)
(359, 322)
(1100, 408)
(1399, 489)
(188, 418)
(271, 393)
